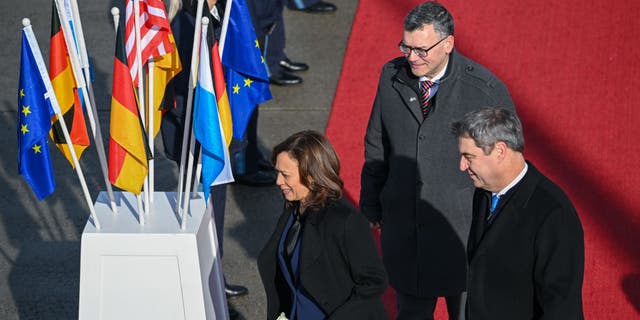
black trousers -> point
(274, 47)
(217, 203)
(252, 153)
(268, 23)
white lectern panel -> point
(124, 277)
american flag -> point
(154, 33)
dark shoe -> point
(258, 179)
(293, 66)
(320, 7)
(233, 313)
(285, 79)
(233, 291)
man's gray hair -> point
(431, 13)
(490, 125)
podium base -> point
(151, 271)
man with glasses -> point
(411, 186)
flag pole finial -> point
(115, 13)
(26, 22)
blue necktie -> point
(494, 203)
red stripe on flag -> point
(79, 134)
(123, 93)
(116, 160)
(218, 73)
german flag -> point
(220, 86)
(128, 150)
(65, 87)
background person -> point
(526, 246)
(320, 262)
(268, 21)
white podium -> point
(151, 271)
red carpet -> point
(572, 69)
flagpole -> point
(92, 112)
(187, 191)
(225, 26)
(82, 54)
(84, 60)
(151, 130)
(198, 161)
(187, 120)
(82, 50)
(33, 43)
(115, 12)
(141, 92)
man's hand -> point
(375, 225)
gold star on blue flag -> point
(34, 123)
(244, 67)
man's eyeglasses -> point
(420, 52)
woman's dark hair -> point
(318, 166)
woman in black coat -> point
(320, 262)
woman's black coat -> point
(340, 267)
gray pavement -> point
(40, 241)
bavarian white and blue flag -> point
(207, 128)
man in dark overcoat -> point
(526, 245)
(411, 186)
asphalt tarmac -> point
(40, 240)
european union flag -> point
(34, 123)
(246, 72)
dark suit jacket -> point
(529, 263)
(340, 267)
(411, 178)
